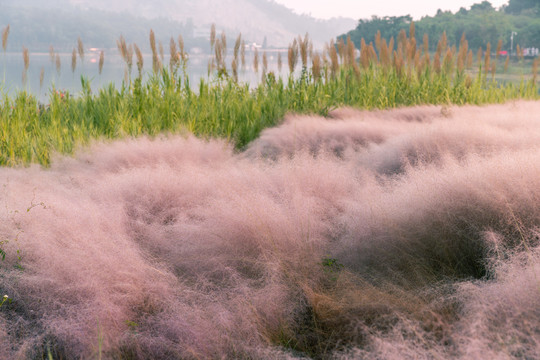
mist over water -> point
(408, 233)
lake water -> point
(12, 68)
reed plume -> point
(256, 61)
(385, 55)
(364, 54)
(265, 62)
(243, 54)
(402, 40)
(73, 60)
(174, 59)
(470, 58)
(506, 62)
(437, 63)
(122, 47)
(265, 66)
(26, 60)
(411, 50)
(221, 54)
(398, 61)
(303, 46)
(351, 50)
(181, 48)
(224, 42)
(425, 43)
(5, 35)
(372, 54)
(58, 64)
(80, 48)
(155, 60)
(391, 45)
(378, 41)
(412, 31)
(140, 60)
(316, 66)
(212, 35)
(341, 49)
(448, 62)
(237, 45)
(479, 56)
(153, 41)
(499, 47)
(334, 67)
(101, 61)
(161, 51)
(41, 77)
(292, 56)
(51, 54)
(129, 58)
(234, 68)
(444, 41)
(211, 66)
(279, 62)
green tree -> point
(523, 6)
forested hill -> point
(482, 23)
(37, 24)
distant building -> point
(530, 51)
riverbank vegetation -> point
(385, 74)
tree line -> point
(482, 23)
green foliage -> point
(5, 298)
(530, 7)
(331, 264)
(482, 23)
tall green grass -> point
(30, 132)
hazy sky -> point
(363, 9)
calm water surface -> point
(114, 69)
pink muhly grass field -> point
(408, 233)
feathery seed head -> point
(243, 54)
(51, 54)
(212, 35)
(101, 61)
(499, 47)
(58, 64)
(5, 35)
(41, 77)
(140, 60)
(73, 60)
(80, 48)
(256, 61)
